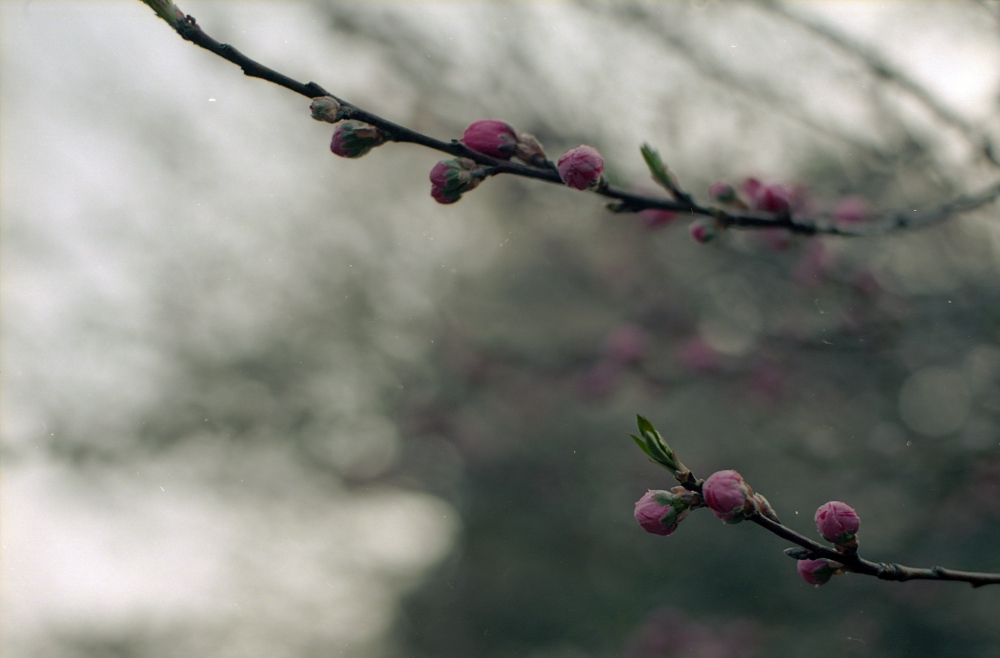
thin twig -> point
(852, 561)
(626, 201)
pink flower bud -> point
(721, 192)
(727, 495)
(815, 572)
(491, 137)
(704, 229)
(851, 209)
(837, 522)
(352, 139)
(625, 344)
(326, 108)
(773, 197)
(581, 168)
(659, 512)
(653, 218)
(451, 178)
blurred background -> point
(262, 401)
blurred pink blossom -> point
(601, 380)
(669, 633)
(851, 209)
(653, 218)
(697, 355)
(625, 344)
(814, 263)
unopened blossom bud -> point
(815, 572)
(772, 197)
(325, 108)
(530, 150)
(838, 523)
(353, 139)
(704, 229)
(728, 496)
(659, 512)
(721, 192)
(581, 168)
(491, 137)
(451, 178)
(851, 209)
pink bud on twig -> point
(325, 108)
(451, 178)
(704, 229)
(653, 218)
(851, 209)
(491, 137)
(838, 523)
(815, 572)
(659, 512)
(581, 168)
(728, 496)
(721, 192)
(353, 139)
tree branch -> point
(625, 200)
(756, 509)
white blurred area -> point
(162, 212)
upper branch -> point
(624, 200)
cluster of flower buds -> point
(659, 512)
(500, 140)
(451, 178)
(351, 139)
(838, 523)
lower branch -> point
(733, 501)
